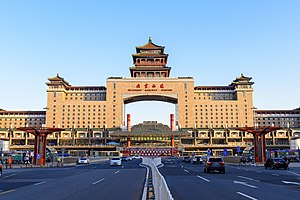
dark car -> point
(186, 159)
(1, 169)
(124, 158)
(276, 163)
(197, 160)
(214, 164)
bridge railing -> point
(161, 189)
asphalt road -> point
(188, 181)
(94, 181)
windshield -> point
(115, 159)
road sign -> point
(208, 152)
(238, 149)
(225, 152)
(38, 156)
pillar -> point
(128, 141)
(172, 141)
(172, 122)
(128, 122)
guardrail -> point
(161, 190)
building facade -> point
(209, 114)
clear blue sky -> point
(88, 41)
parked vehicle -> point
(115, 161)
(124, 158)
(1, 167)
(214, 164)
(186, 159)
(83, 160)
(276, 163)
(197, 160)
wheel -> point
(273, 166)
(285, 168)
(223, 171)
(1, 173)
(266, 167)
(204, 170)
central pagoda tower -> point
(150, 61)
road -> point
(94, 181)
(188, 181)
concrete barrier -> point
(161, 189)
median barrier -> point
(160, 186)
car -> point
(1, 167)
(197, 160)
(276, 163)
(214, 164)
(130, 157)
(83, 160)
(137, 157)
(124, 158)
(115, 161)
(186, 159)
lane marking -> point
(94, 167)
(9, 175)
(98, 181)
(288, 182)
(117, 172)
(293, 173)
(238, 168)
(245, 195)
(203, 178)
(40, 183)
(251, 179)
(181, 166)
(245, 184)
(275, 174)
(8, 191)
(186, 171)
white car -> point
(137, 157)
(83, 160)
(115, 161)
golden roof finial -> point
(150, 40)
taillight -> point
(209, 163)
(222, 163)
(275, 163)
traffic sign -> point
(238, 149)
(225, 152)
(38, 156)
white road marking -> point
(94, 167)
(98, 181)
(117, 172)
(181, 166)
(122, 166)
(186, 171)
(245, 184)
(288, 182)
(293, 173)
(40, 183)
(275, 174)
(9, 175)
(238, 168)
(245, 195)
(251, 179)
(203, 178)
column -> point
(128, 141)
(128, 122)
(172, 122)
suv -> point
(214, 163)
(276, 163)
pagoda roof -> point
(147, 68)
(243, 80)
(150, 45)
(149, 55)
(57, 78)
(86, 88)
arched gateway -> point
(211, 112)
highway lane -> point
(94, 181)
(187, 182)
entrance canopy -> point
(137, 98)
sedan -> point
(83, 160)
(115, 161)
(276, 163)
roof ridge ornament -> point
(150, 40)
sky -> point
(88, 41)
